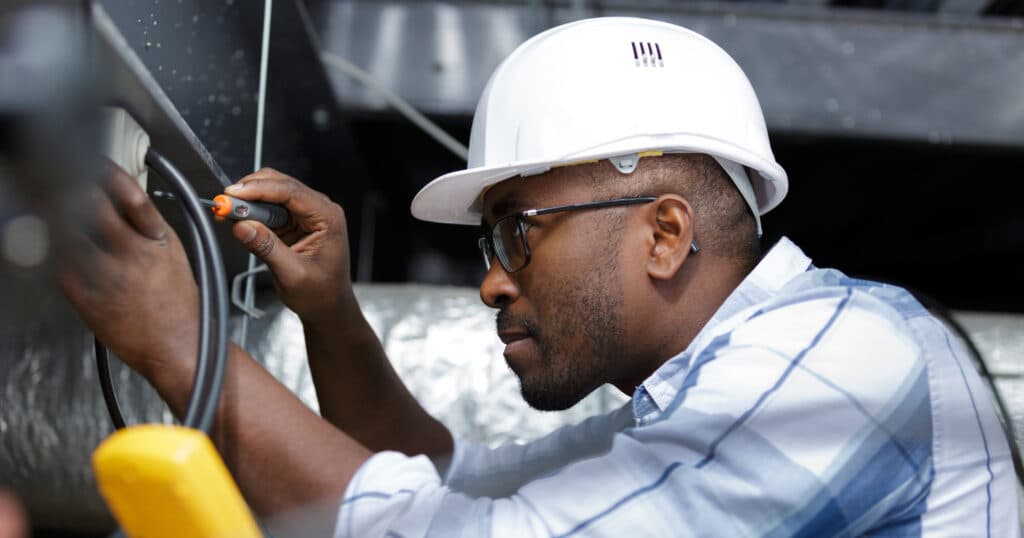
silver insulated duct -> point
(441, 341)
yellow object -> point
(168, 481)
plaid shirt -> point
(812, 404)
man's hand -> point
(129, 278)
(309, 257)
(130, 281)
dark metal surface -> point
(189, 72)
(132, 86)
(204, 68)
(817, 71)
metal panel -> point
(964, 7)
(821, 71)
(132, 86)
(189, 70)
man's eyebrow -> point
(506, 206)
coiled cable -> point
(208, 380)
(109, 396)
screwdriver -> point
(231, 208)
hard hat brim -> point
(455, 198)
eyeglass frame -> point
(489, 251)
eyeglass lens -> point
(508, 243)
(505, 242)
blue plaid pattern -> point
(812, 404)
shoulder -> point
(824, 332)
(824, 311)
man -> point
(619, 168)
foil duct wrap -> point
(441, 341)
(52, 415)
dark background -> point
(939, 216)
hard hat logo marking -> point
(647, 55)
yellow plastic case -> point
(168, 481)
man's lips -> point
(512, 328)
(512, 336)
(520, 350)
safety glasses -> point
(507, 238)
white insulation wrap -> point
(442, 342)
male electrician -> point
(618, 168)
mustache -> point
(505, 321)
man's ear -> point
(672, 227)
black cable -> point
(203, 355)
(208, 380)
(203, 352)
(109, 396)
(203, 402)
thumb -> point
(269, 248)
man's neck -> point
(683, 309)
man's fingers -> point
(110, 227)
(78, 263)
(75, 248)
(133, 203)
(266, 246)
(269, 185)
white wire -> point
(401, 105)
(354, 71)
(261, 107)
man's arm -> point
(129, 279)
(358, 390)
(360, 393)
(811, 421)
(284, 457)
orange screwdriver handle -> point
(229, 207)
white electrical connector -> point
(125, 143)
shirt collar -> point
(780, 265)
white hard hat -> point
(617, 88)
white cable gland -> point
(126, 143)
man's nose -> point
(498, 288)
